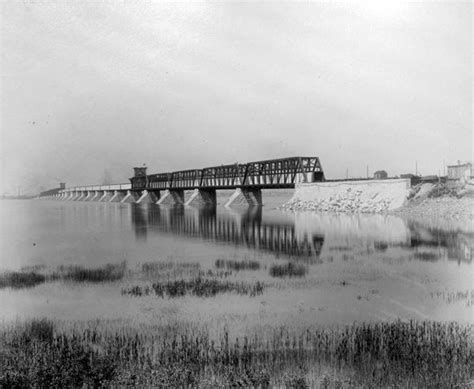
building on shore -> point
(380, 175)
(461, 171)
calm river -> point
(358, 268)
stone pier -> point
(130, 197)
(149, 197)
(82, 196)
(172, 197)
(118, 196)
(245, 197)
(97, 195)
(106, 196)
(202, 197)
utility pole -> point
(367, 171)
(416, 168)
(347, 173)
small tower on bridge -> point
(139, 171)
(139, 179)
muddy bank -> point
(449, 212)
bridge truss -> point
(275, 173)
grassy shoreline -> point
(409, 354)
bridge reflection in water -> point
(302, 235)
(247, 228)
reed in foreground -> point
(398, 354)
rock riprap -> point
(348, 201)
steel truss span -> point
(275, 173)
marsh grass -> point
(19, 280)
(157, 267)
(33, 268)
(108, 273)
(170, 269)
(198, 286)
(288, 270)
(426, 256)
(30, 278)
(397, 354)
(215, 274)
(466, 296)
(237, 265)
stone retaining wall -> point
(351, 196)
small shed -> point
(380, 175)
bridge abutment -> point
(149, 197)
(245, 197)
(172, 197)
(202, 197)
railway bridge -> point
(247, 179)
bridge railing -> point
(124, 186)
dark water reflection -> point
(304, 235)
(459, 246)
(247, 228)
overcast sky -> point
(90, 89)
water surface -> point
(359, 267)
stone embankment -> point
(447, 208)
(447, 202)
(374, 196)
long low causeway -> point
(124, 193)
(247, 180)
